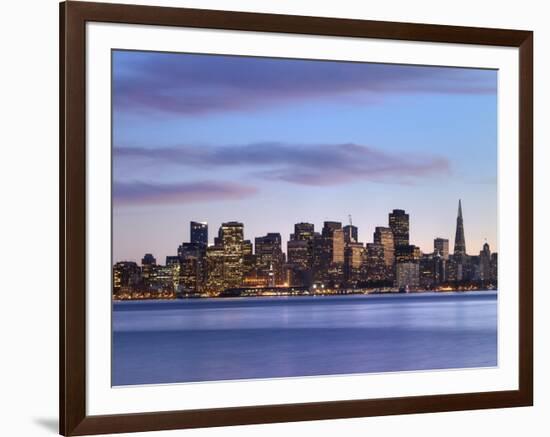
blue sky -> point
(272, 142)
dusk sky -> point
(273, 142)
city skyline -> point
(330, 259)
(363, 236)
(272, 142)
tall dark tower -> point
(460, 243)
(199, 233)
(399, 224)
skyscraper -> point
(441, 246)
(399, 224)
(199, 233)
(350, 234)
(303, 231)
(460, 243)
(270, 258)
(334, 238)
(384, 237)
(231, 236)
(485, 263)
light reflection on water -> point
(217, 339)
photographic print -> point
(276, 218)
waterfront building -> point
(231, 236)
(270, 258)
(328, 253)
(333, 235)
(485, 273)
(166, 278)
(376, 263)
(148, 269)
(249, 259)
(407, 275)
(399, 224)
(428, 271)
(299, 253)
(125, 274)
(384, 237)
(353, 262)
(441, 246)
(215, 257)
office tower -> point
(485, 263)
(215, 257)
(376, 263)
(351, 234)
(249, 259)
(199, 233)
(353, 262)
(460, 243)
(299, 253)
(441, 246)
(148, 269)
(303, 231)
(270, 258)
(428, 270)
(440, 268)
(408, 253)
(384, 237)
(125, 274)
(193, 266)
(231, 236)
(399, 224)
(148, 260)
(407, 275)
(172, 260)
(333, 235)
(166, 278)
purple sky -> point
(271, 142)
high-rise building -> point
(148, 269)
(351, 234)
(460, 242)
(333, 235)
(199, 233)
(408, 253)
(303, 231)
(376, 264)
(299, 253)
(441, 246)
(485, 273)
(125, 274)
(215, 261)
(407, 275)
(231, 236)
(399, 224)
(353, 262)
(270, 258)
(384, 237)
(148, 260)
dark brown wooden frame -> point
(73, 18)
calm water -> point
(242, 338)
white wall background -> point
(28, 222)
